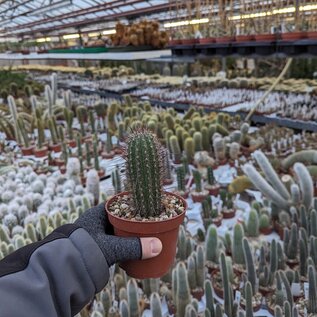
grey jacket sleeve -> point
(57, 276)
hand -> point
(116, 249)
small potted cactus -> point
(265, 226)
(109, 153)
(28, 148)
(228, 210)
(181, 186)
(212, 187)
(198, 194)
(146, 210)
(41, 150)
(210, 214)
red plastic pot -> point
(198, 197)
(174, 42)
(225, 39)
(244, 38)
(189, 41)
(71, 143)
(311, 35)
(293, 36)
(41, 152)
(265, 37)
(207, 40)
(266, 231)
(165, 230)
(57, 148)
(27, 150)
(213, 189)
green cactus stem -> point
(81, 114)
(209, 298)
(24, 133)
(210, 176)
(52, 131)
(200, 267)
(96, 154)
(198, 141)
(211, 245)
(145, 172)
(40, 129)
(183, 292)
(197, 180)
(248, 299)
(307, 157)
(250, 264)
(14, 115)
(237, 248)
(69, 118)
(133, 298)
(155, 305)
(92, 121)
(174, 146)
(88, 156)
(253, 224)
(191, 273)
(180, 176)
(312, 291)
(116, 180)
(189, 147)
(228, 294)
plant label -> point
(238, 297)
(295, 289)
(306, 290)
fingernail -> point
(156, 246)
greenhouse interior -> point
(158, 158)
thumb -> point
(151, 247)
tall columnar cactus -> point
(292, 245)
(278, 312)
(191, 273)
(250, 264)
(180, 176)
(273, 258)
(209, 298)
(49, 99)
(14, 115)
(167, 135)
(237, 248)
(253, 224)
(69, 118)
(313, 223)
(67, 96)
(81, 113)
(210, 176)
(124, 309)
(155, 304)
(116, 180)
(40, 129)
(145, 172)
(93, 184)
(33, 101)
(189, 148)
(200, 267)
(53, 132)
(54, 87)
(211, 245)
(308, 157)
(92, 121)
(287, 288)
(302, 257)
(133, 298)
(183, 292)
(197, 180)
(205, 139)
(197, 123)
(227, 291)
(96, 154)
(24, 133)
(174, 146)
(305, 183)
(248, 299)
(312, 291)
(169, 121)
(198, 141)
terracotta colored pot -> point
(229, 215)
(244, 38)
(293, 36)
(165, 230)
(217, 221)
(266, 231)
(198, 197)
(107, 156)
(265, 37)
(184, 195)
(41, 152)
(174, 42)
(207, 40)
(189, 41)
(213, 190)
(57, 148)
(311, 35)
(225, 39)
(71, 143)
(27, 150)
(168, 181)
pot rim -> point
(145, 222)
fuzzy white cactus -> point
(92, 184)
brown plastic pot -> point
(265, 37)
(244, 38)
(165, 230)
(293, 36)
(72, 143)
(27, 150)
(207, 40)
(57, 148)
(266, 231)
(225, 39)
(311, 34)
(41, 152)
(213, 189)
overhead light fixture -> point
(95, 34)
(186, 22)
(109, 32)
(43, 40)
(71, 36)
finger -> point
(151, 247)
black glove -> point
(115, 249)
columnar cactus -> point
(116, 180)
(198, 141)
(174, 146)
(253, 224)
(40, 129)
(189, 148)
(81, 113)
(124, 309)
(197, 180)
(209, 298)
(191, 273)
(234, 150)
(14, 115)
(133, 298)
(210, 176)
(53, 132)
(183, 292)
(155, 304)
(145, 172)
(181, 244)
(180, 176)
(211, 245)
(200, 267)
(96, 154)
(49, 99)
(248, 299)
(250, 264)
(67, 96)
(54, 88)
(25, 136)
(205, 139)
(237, 249)
(312, 291)
(227, 290)
(219, 148)
(93, 184)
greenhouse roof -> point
(29, 18)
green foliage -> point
(180, 176)
(197, 180)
